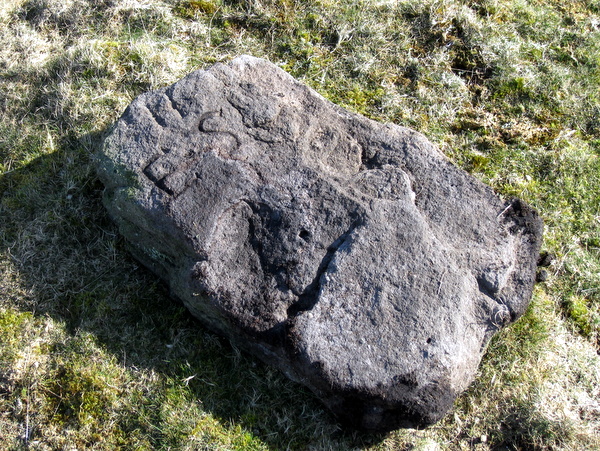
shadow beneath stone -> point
(73, 266)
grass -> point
(94, 354)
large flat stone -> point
(348, 253)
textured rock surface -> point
(350, 254)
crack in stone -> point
(310, 296)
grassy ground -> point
(94, 355)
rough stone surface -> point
(348, 253)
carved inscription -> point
(175, 171)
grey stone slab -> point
(351, 254)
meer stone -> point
(350, 254)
